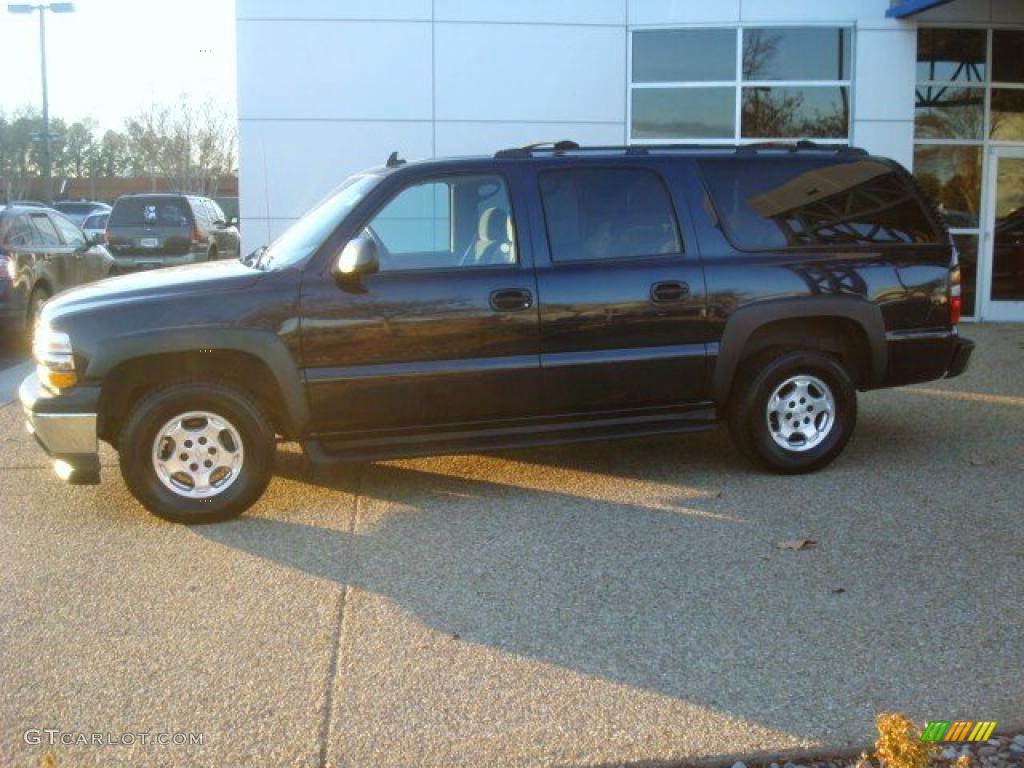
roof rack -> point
(565, 147)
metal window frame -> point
(738, 83)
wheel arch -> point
(255, 361)
(758, 326)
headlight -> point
(55, 363)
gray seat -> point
(493, 242)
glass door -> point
(1002, 271)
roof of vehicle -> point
(93, 203)
(570, 149)
(175, 195)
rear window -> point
(74, 207)
(777, 202)
(151, 212)
(597, 214)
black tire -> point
(35, 300)
(154, 410)
(211, 255)
(752, 428)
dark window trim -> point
(940, 236)
(552, 261)
(427, 179)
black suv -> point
(543, 295)
(165, 230)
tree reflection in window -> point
(849, 203)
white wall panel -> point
(520, 72)
(334, 9)
(812, 10)
(486, 138)
(683, 11)
(542, 11)
(884, 74)
(304, 160)
(332, 69)
(893, 139)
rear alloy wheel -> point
(197, 451)
(793, 412)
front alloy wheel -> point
(198, 454)
(197, 451)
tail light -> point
(7, 266)
(955, 301)
(196, 237)
(106, 236)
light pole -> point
(43, 8)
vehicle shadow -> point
(670, 589)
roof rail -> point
(563, 147)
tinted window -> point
(20, 232)
(72, 235)
(597, 213)
(684, 55)
(151, 211)
(796, 53)
(794, 112)
(96, 221)
(215, 211)
(779, 202)
(457, 221)
(956, 55)
(1007, 62)
(683, 113)
(46, 233)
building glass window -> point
(969, 96)
(734, 85)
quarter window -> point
(596, 214)
(782, 202)
(72, 235)
(456, 221)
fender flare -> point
(264, 345)
(742, 323)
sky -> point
(111, 59)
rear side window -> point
(151, 212)
(597, 214)
(20, 232)
(770, 203)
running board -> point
(332, 449)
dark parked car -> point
(41, 253)
(165, 230)
(79, 210)
(537, 296)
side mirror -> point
(233, 221)
(358, 257)
(97, 239)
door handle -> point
(511, 300)
(669, 291)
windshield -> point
(308, 233)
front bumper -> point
(65, 430)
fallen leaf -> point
(796, 544)
(838, 591)
(981, 462)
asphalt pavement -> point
(595, 605)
